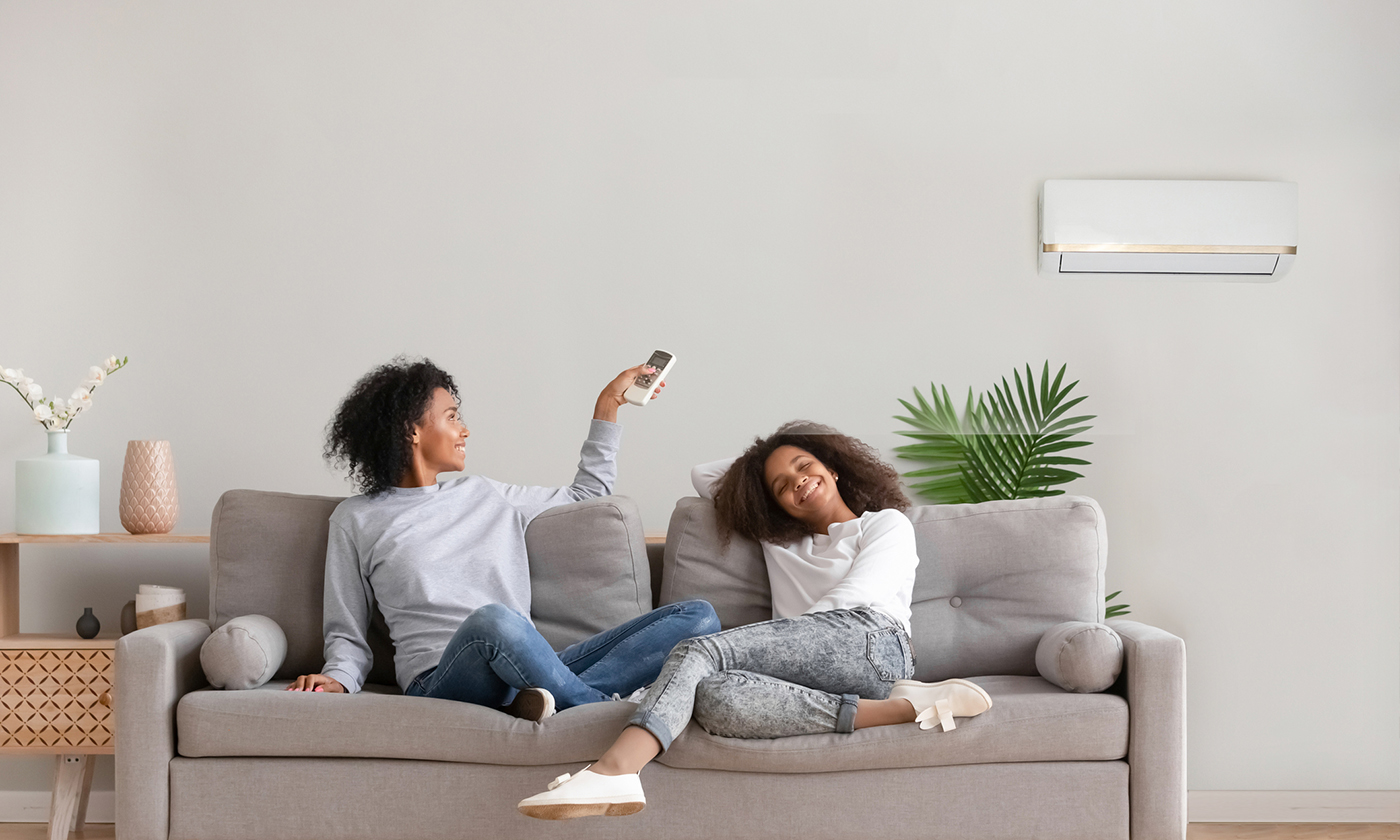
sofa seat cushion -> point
(1030, 720)
(379, 722)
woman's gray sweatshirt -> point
(431, 555)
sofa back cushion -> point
(733, 578)
(992, 578)
(267, 556)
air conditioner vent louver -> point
(1213, 230)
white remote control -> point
(645, 386)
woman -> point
(447, 565)
(836, 657)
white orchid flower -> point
(111, 363)
(9, 374)
(96, 376)
(34, 392)
(43, 413)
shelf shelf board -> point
(57, 641)
(102, 538)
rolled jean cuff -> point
(653, 724)
(846, 717)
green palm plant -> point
(1006, 445)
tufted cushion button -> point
(955, 601)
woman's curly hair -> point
(372, 431)
(745, 506)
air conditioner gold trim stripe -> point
(1172, 249)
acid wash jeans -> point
(788, 676)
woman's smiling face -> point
(801, 484)
(440, 436)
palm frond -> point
(1004, 444)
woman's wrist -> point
(606, 408)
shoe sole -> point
(531, 705)
(972, 685)
(573, 810)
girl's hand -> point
(317, 682)
(612, 396)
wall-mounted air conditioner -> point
(1199, 230)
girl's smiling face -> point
(801, 484)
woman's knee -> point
(716, 707)
(703, 619)
(495, 621)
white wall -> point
(259, 201)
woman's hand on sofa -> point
(317, 682)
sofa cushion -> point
(378, 722)
(588, 568)
(993, 577)
(733, 578)
(1080, 656)
(1030, 720)
(267, 555)
(244, 653)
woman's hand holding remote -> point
(612, 396)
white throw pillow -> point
(244, 653)
(1080, 656)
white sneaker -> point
(586, 794)
(938, 703)
(531, 704)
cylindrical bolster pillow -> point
(244, 653)
(1080, 656)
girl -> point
(836, 657)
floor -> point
(1196, 831)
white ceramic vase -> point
(57, 493)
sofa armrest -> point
(155, 667)
(1154, 670)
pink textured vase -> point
(149, 503)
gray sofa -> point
(194, 762)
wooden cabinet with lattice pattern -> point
(56, 700)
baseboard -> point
(1293, 806)
(32, 806)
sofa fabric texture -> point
(1044, 761)
(244, 653)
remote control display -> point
(658, 360)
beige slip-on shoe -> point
(586, 794)
(942, 700)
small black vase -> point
(88, 625)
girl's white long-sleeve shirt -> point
(865, 562)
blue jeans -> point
(496, 652)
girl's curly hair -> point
(744, 505)
(372, 431)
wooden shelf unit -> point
(56, 689)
